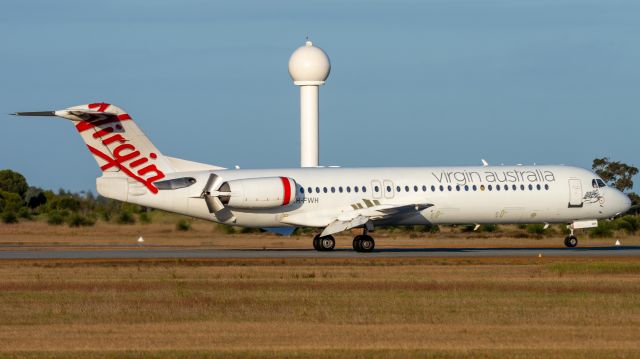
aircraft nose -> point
(622, 202)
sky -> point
(412, 83)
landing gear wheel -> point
(356, 244)
(326, 243)
(570, 241)
(363, 243)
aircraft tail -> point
(121, 149)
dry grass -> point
(162, 233)
(315, 308)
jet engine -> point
(253, 193)
(248, 193)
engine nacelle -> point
(253, 193)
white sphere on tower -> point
(309, 65)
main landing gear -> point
(322, 244)
(361, 243)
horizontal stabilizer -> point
(35, 113)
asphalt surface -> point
(154, 253)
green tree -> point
(13, 182)
(35, 197)
(615, 173)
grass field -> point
(318, 308)
(312, 308)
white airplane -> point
(335, 199)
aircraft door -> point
(388, 189)
(575, 193)
(376, 188)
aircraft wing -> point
(357, 216)
(366, 216)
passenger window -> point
(415, 188)
(324, 189)
(482, 187)
(424, 188)
(433, 188)
(489, 187)
(333, 190)
(538, 187)
(522, 187)
(309, 190)
(348, 189)
(340, 189)
(475, 188)
(301, 189)
(355, 189)
(398, 189)
(458, 188)
(530, 187)
(546, 187)
(513, 187)
(497, 187)
(466, 188)
(317, 189)
(376, 188)
(441, 188)
(406, 188)
(364, 189)
(506, 187)
(449, 188)
(388, 189)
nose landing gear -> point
(571, 240)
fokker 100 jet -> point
(335, 199)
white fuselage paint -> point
(549, 204)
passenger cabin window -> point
(376, 188)
(364, 189)
(301, 189)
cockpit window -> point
(175, 183)
(598, 183)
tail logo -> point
(125, 155)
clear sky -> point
(413, 83)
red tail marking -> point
(287, 190)
(111, 162)
(86, 125)
(102, 106)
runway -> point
(195, 253)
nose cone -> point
(622, 203)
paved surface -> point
(150, 253)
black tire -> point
(367, 244)
(356, 244)
(316, 243)
(571, 241)
(326, 243)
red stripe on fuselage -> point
(287, 190)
